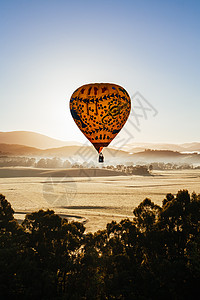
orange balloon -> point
(100, 110)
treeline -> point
(131, 169)
(6, 161)
(172, 166)
(59, 163)
(163, 152)
(127, 167)
(154, 256)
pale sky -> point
(50, 48)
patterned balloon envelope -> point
(100, 110)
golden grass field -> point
(92, 200)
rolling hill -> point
(32, 139)
(166, 156)
(35, 172)
(77, 153)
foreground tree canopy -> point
(156, 255)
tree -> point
(41, 163)
(12, 241)
(146, 215)
(6, 211)
(150, 167)
(54, 244)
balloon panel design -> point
(100, 110)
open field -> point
(92, 200)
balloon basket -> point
(101, 158)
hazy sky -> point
(49, 48)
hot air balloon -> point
(100, 110)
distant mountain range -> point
(138, 147)
(76, 153)
(41, 147)
(83, 154)
(32, 139)
(37, 140)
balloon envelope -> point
(100, 110)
